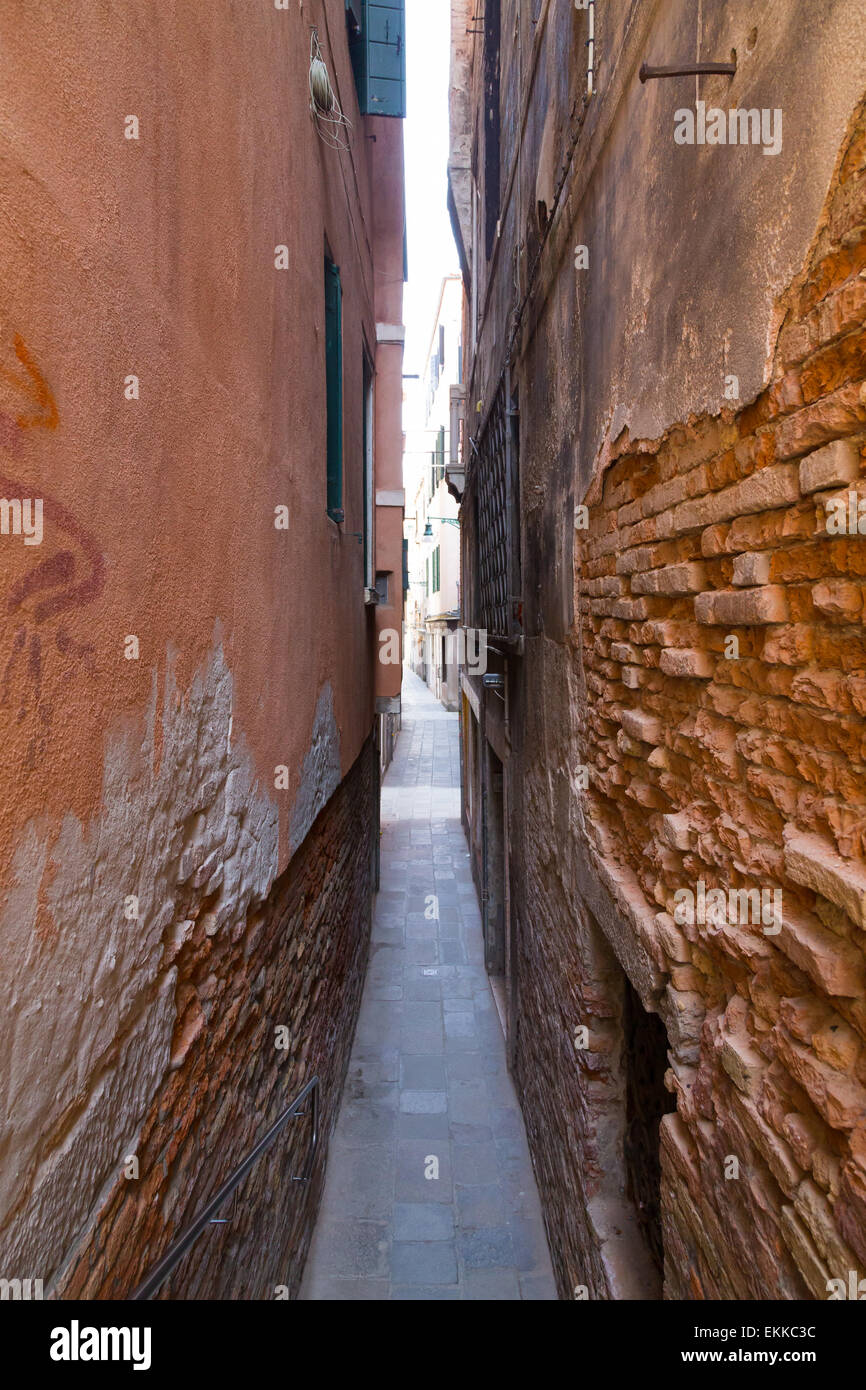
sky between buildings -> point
(432, 253)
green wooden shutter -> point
(366, 497)
(334, 377)
(440, 455)
(379, 55)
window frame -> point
(368, 388)
(334, 391)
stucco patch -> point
(86, 1015)
(320, 776)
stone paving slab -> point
(429, 1192)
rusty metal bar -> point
(178, 1249)
(686, 70)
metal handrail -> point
(172, 1257)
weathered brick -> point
(771, 487)
(687, 662)
(838, 598)
(839, 1098)
(835, 464)
(836, 966)
(631, 561)
(626, 608)
(743, 607)
(752, 568)
(832, 417)
(814, 862)
(689, 578)
(642, 726)
(741, 1060)
(608, 584)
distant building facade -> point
(432, 522)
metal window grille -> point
(498, 544)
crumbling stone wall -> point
(739, 764)
(295, 962)
(646, 755)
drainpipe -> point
(505, 702)
(590, 49)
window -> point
(334, 388)
(497, 578)
(368, 472)
(439, 458)
(434, 378)
(436, 575)
(376, 30)
(382, 585)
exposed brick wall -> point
(299, 961)
(742, 769)
(568, 976)
(704, 523)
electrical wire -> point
(324, 105)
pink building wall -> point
(124, 762)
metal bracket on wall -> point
(686, 70)
(226, 1220)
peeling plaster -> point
(87, 1010)
(320, 775)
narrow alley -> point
(433, 674)
(429, 1191)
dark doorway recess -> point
(647, 1100)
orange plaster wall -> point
(156, 257)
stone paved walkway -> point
(427, 1088)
